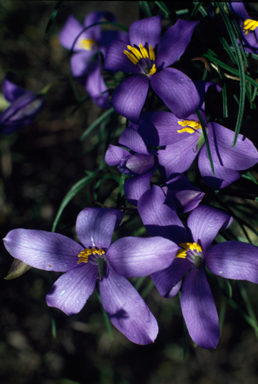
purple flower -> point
(248, 27)
(24, 106)
(231, 260)
(148, 58)
(183, 140)
(97, 259)
(137, 162)
(180, 192)
(86, 62)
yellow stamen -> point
(135, 51)
(181, 253)
(153, 70)
(131, 57)
(87, 44)
(84, 255)
(144, 51)
(189, 123)
(152, 53)
(249, 25)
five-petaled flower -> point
(97, 259)
(87, 45)
(148, 58)
(230, 259)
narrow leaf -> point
(68, 197)
(95, 123)
(206, 139)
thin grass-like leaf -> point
(198, 7)
(229, 69)
(53, 15)
(249, 176)
(96, 122)
(206, 139)
(68, 197)
(241, 69)
(222, 312)
(106, 318)
(163, 7)
(248, 305)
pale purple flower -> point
(97, 259)
(231, 260)
(138, 162)
(148, 58)
(183, 141)
(24, 106)
(86, 62)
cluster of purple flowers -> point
(175, 256)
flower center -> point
(140, 55)
(192, 252)
(87, 252)
(249, 25)
(87, 44)
(191, 126)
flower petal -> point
(10, 90)
(116, 60)
(168, 281)
(43, 250)
(69, 32)
(176, 90)
(161, 128)
(199, 309)
(158, 218)
(233, 260)
(205, 222)
(95, 85)
(80, 63)
(129, 97)
(130, 138)
(242, 156)
(174, 42)
(95, 226)
(137, 257)
(223, 176)
(126, 309)
(71, 291)
(178, 157)
(135, 186)
(145, 31)
(115, 154)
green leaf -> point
(96, 122)
(106, 318)
(240, 65)
(205, 139)
(53, 15)
(229, 69)
(17, 269)
(198, 7)
(68, 197)
(163, 7)
(249, 176)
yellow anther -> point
(84, 255)
(87, 44)
(135, 51)
(181, 253)
(153, 70)
(144, 51)
(131, 57)
(191, 126)
(152, 53)
(249, 25)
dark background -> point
(39, 164)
